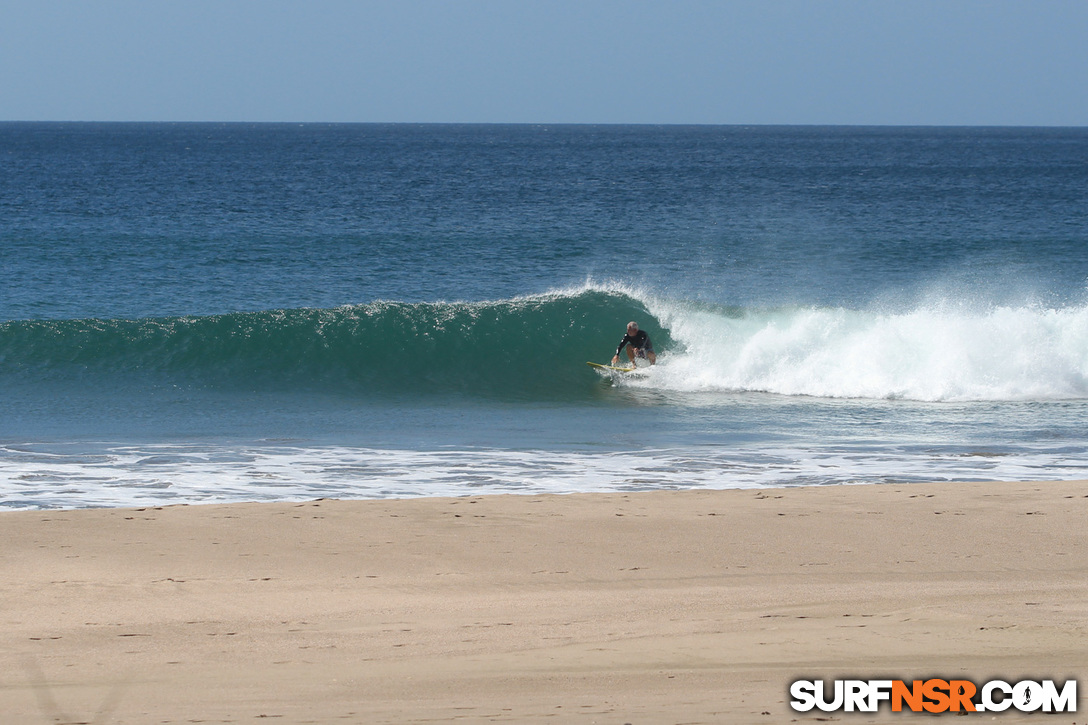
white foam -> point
(925, 354)
(66, 477)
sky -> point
(864, 62)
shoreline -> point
(670, 606)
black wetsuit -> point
(641, 342)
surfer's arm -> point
(616, 357)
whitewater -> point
(937, 352)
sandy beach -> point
(667, 607)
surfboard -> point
(610, 368)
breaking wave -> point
(535, 347)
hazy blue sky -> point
(999, 62)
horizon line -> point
(543, 123)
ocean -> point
(199, 313)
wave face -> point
(526, 347)
(930, 353)
(535, 348)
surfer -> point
(637, 343)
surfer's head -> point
(632, 327)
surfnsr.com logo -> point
(934, 695)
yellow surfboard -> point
(610, 368)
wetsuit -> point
(640, 340)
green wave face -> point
(533, 347)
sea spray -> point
(925, 354)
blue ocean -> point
(226, 312)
